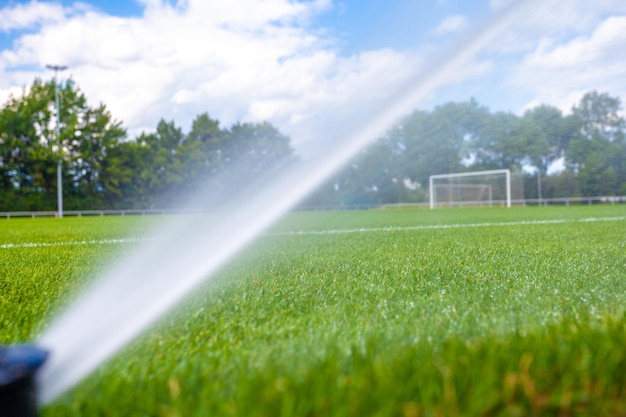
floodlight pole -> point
(56, 69)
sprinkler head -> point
(18, 365)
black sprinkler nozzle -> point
(18, 365)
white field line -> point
(445, 226)
(322, 232)
(71, 243)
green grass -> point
(404, 317)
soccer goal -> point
(478, 188)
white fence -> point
(80, 213)
(564, 201)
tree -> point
(443, 140)
(169, 165)
(597, 153)
(256, 148)
(202, 151)
(30, 149)
(157, 164)
(369, 178)
(95, 167)
(599, 117)
(500, 143)
(135, 159)
(546, 135)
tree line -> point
(587, 148)
(103, 169)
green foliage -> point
(30, 150)
(409, 318)
(597, 152)
(102, 171)
(548, 134)
(458, 137)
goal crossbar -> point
(507, 173)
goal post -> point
(484, 183)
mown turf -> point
(516, 319)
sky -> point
(305, 65)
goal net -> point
(480, 188)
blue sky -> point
(302, 64)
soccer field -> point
(486, 312)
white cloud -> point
(215, 57)
(451, 24)
(200, 56)
(552, 21)
(560, 73)
(218, 57)
(23, 16)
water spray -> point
(18, 365)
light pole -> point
(56, 69)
